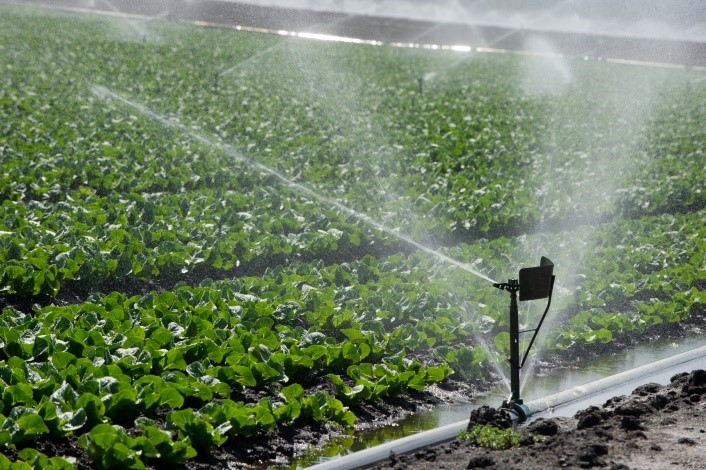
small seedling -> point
(491, 437)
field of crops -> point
(182, 266)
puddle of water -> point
(537, 387)
(603, 367)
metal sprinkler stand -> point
(534, 283)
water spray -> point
(107, 94)
(534, 283)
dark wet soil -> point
(656, 427)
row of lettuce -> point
(196, 357)
(471, 152)
(96, 191)
(620, 277)
(99, 194)
(89, 242)
(181, 368)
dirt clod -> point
(649, 429)
(591, 456)
(687, 441)
(591, 416)
(488, 416)
(635, 409)
(644, 390)
(630, 423)
(544, 427)
(698, 377)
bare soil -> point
(656, 427)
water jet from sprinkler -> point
(534, 283)
(107, 94)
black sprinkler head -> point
(535, 283)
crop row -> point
(613, 278)
(193, 354)
(476, 153)
(99, 196)
(94, 242)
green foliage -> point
(467, 362)
(96, 195)
(491, 437)
(33, 459)
(109, 446)
(322, 407)
(374, 381)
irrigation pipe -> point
(633, 375)
(405, 445)
(450, 431)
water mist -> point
(107, 94)
(585, 164)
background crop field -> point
(204, 233)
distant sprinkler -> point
(535, 283)
(420, 82)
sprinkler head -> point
(512, 285)
(535, 283)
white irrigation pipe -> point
(405, 445)
(449, 432)
(639, 374)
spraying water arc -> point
(534, 283)
(306, 33)
(105, 93)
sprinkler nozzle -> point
(510, 286)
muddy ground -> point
(656, 427)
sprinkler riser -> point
(513, 287)
(534, 283)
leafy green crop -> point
(97, 367)
(32, 459)
(113, 225)
(491, 437)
